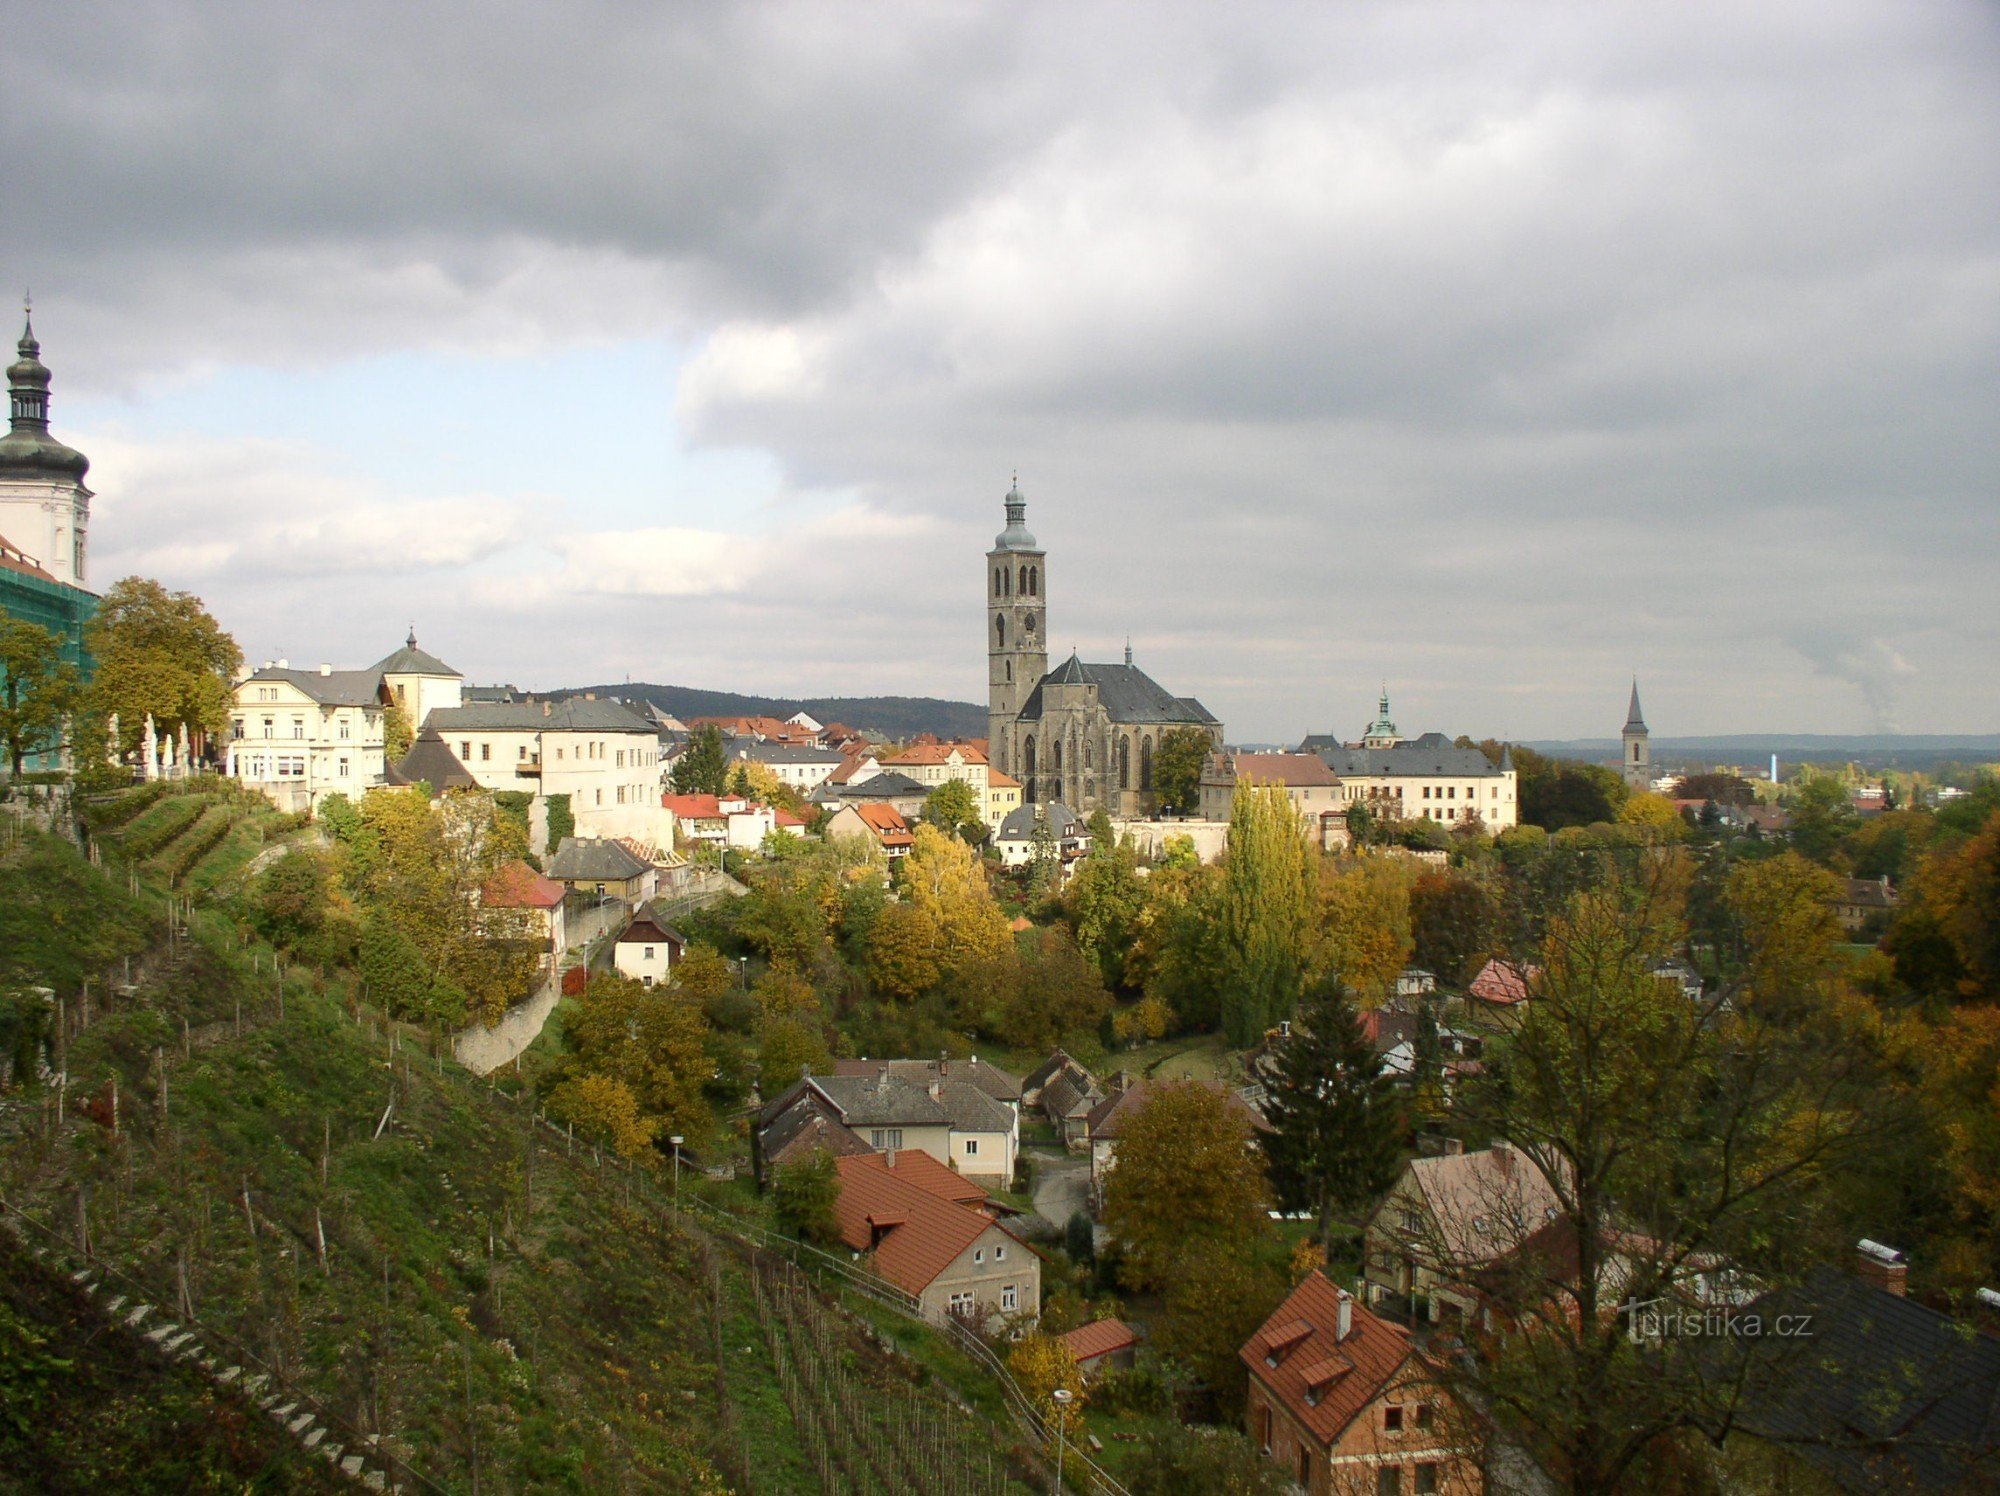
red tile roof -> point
(1503, 982)
(1322, 1381)
(1099, 1338)
(914, 1234)
(914, 1166)
(995, 780)
(938, 753)
(515, 885)
(14, 559)
(693, 807)
(887, 823)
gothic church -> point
(1081, 734)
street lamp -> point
(1064, 1397)
(676, 1141)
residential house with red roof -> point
(1503, 984)
(648, 948)
(525, 905)
(1100, 1346)
(918, 1227)
(1345, 1402)
(880, 824)
(1309, 785)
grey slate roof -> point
(431, 761)
(1432, 754)
(1126, 693)
(1885, 1395)
(338, 688)
(878, 1101)
(890, 784)
(409, 660)
(990, 1079)
(1019, 824)
(581, 859)
(574, 715)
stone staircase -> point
(361, 1464)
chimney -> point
(935, 1088)
(1882, 1267)
(284, 664)
(547, 709)
(889, 1159)
(324, 668)
(944, 1063)
(1503, 1160)
(1346, 1324)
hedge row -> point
(172, 824)
(114, 811)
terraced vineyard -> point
(330, 1203)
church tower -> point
(44, 507)
(1637, 761)
(1017, 651)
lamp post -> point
(1063, 1397)
(676, 1142)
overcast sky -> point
(1497, 351)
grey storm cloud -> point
(1498, 349)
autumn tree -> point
(1212, 1305)
(38, 688)
(1945, 942)
(1454, 924)
(398, 732)
(1184, 1461)
(954, 808)
(1364, 915)
(1104, 902)
(160, 653)
(1267, 912)
(1042, 1365)
(902, 956)
(603, 1106)
(1784, 911)
(1056, 996)
(704, 973)
(1671, 1135)
(650, 1040)
(788, 1048)
(1821, 817)
(1180, 952)
(1187, 1180)
(805, 1194)
(1337, 1122)
(1177, 768)
(1654, 812)
(942, 881)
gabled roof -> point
(915, 1235)
(695, 807)
(888, 785)
(996, 780)
(1125, 692)
(1113, 1115)
(1482, 1205)
(430, 761)
(1431, 756)
(1322, 1379)
(1047, 1070)
(650, 927)
(880, 1101)
(329, 688)
(990, 1079)
(589, 859)
(574, 715)
(885, 824)
(1019, 824)
(770, 751)
(1504, 982)
(515, 885)
(409, 660)
(938, 753)
(917, 1168)
(1099, 1338)
(808, 1125)
(1293, 770)
(1886, 1395)
(13, 558)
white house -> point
(648, 949)
(601, 754)
(1421, 778)
(801, 765)
(301, 735)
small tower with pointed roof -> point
(1381, 733)
(44, 505)
(1017, 650)
(1636, 758)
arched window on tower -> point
(1023, 585)
(1124, 763)
(1000, 632)
(1010, 672)
(1034, 581)
(1028, 766)
(1146, 763)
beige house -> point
(1003, 797)
(1313, 789)
(932, 1234)
(602, 755)
(301, 735)
(1413, 779)
(1449, 1217)
(949, 1117)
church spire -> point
(1016, 537)
(28, 378)
(1128, 651)
(1635, 720)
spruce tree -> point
(1337, 1121)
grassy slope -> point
(485, 1298)
(86, 1406)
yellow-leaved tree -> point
(1041, 1364)
(943, 881)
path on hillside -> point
(483, 1050)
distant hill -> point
(896, 717)
(1893, 750)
